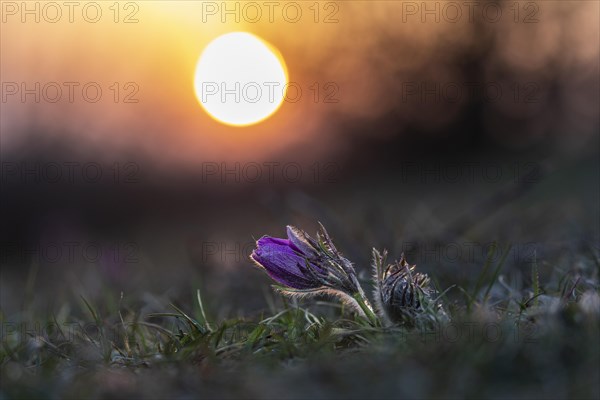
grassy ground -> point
(539, 341)
(524, 326)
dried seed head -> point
(403, 290)
(402, 294)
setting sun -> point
(240, 79)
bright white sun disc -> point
(240, 79)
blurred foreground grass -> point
(535, 341)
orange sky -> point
(371, 47)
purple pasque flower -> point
(286, 263)
(307, 267)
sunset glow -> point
(240, 79)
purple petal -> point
(268, 240)
(283, 262)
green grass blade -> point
(194, 325)
(535, 278)
(202, 313)
(92, 311)
(483, 274)
(496, 272)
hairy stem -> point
(364, 305)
